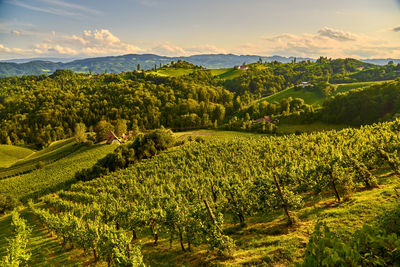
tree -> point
(8, 141)
(120, 128)
(80, 132)
(102, 129)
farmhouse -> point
(264, 119)
(112, 138)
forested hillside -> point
(41, 109)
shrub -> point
(7, 203)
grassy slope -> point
(54, 175)
(227, 74)
(54, 152)
(313, 98)
(10, 154)
(172, 72)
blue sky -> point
(86, 28)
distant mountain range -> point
(381, 61)
(115, 64)
(51, 59)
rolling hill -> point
(312, 97)
(10, 154)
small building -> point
(242, 67)
(305, 84)
(264, 119)
(112, 138)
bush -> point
(144, 146)
(376, 245)
(7, 203)
(326, 249)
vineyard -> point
(201, 196)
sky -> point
(303, 28)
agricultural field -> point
(234, 200)
(49, 174)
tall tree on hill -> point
(80, 132)
(120, 128)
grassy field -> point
(53, 175)
(212, 134)
(307, 128)
(282, 129)
(313, 98)
(227, 73)
(11, 154)
(56, 151)
(171, 72)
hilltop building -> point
(242, 67)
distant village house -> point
(242, 67)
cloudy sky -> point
(88, 28)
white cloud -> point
(326, 42)
(337, 34)
(7, 50)
(90, 43)
(15, 32)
